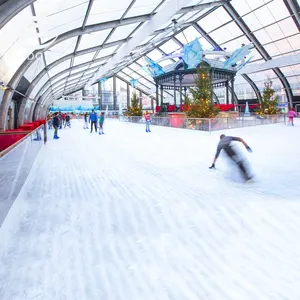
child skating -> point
(148, 120)
(101, 122)
(292, 114)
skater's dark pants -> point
(55, 130)
(240, 163)
(93, 123)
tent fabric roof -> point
(83, 37)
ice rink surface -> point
(132, 215)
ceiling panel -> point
(34, 69)
(57, 16)
(105, 11)
(122, 32)
(107, 51)
(61, 67)
(93, 39)
(142, 7)
(215, 19)
(80, 59)
(60, 50)
(59, 78)
(39, 85)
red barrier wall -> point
(6, 140)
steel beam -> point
(201, 6)
(280, 62)
(266, 56)
(294, 10)
(11, 8)
(167, 11)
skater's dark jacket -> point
(55, 121)
(225, 142)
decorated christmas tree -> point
(269, 103)
(201, 105)
(134, 109)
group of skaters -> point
(58, 121)
(94, 120)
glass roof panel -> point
(62, 49)
(291, 71)
(58, 78)
(39, 85)
(142, 7)
(105, 11)
(57, 16)
(61, 67)
(34, 69)
(288, 27)
(215, 19)
(226, 33)
(96, 64)
(294, 82)
(107, 51)
(122, 32)
(80, 59)
(243, 89)
(263, 36)
(93, 39)
(75, 76)
(18, 40)
(235, 44)
(134, 66)
(190, 34)
(280, 47)
(166, 62)
(169, 47)
(61, 82)
(122, 75)
(79, 69)
(241, 6)
(261, 77)
(278, 9)
(205, 44)
(155, 55)
(47, 86)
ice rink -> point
(132, 215)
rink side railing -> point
(15, 165)
(209, 125)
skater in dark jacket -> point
(56, 123)
(225, 144)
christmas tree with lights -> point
(269, 103)
(201, 105)
(134, 109)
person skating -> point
(225, 144)
(86, 122)
(101, 121)
(292, 114)
(147, 119)
(68, 121)
(56, 123)
(93, 120)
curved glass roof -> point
(74, 43)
